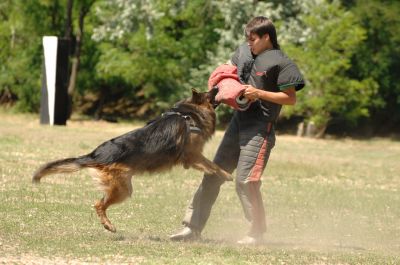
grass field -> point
(327, 202)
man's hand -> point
(284, 97)
(251, 93)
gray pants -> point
(246, 147)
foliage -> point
(235, 15)
(21, 26)
(322, 40)
(378, 57)
(153, 45)
(138, 57)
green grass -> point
(327, 202)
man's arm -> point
(285, 97)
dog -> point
(175, 138)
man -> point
(271, 80)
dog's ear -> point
(212, 93)
(194, 91)
(196, 96)
(211, 97)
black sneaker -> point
(186, 234)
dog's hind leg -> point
(117, 189)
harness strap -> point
(187, 118)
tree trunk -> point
(321, 131)
(68, 20)
(310, 129)
(77, 54)
(300, 129)
(102, 99)
(84, 9)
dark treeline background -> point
(134, 58)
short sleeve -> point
(290, 76)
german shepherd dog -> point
(176, 137)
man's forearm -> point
(277, 97)
(286, 97)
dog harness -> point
(191, 125)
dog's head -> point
(205, 98)
(200, 101)
(200, 108)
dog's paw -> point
(226, 176)
(110, 227)
(229, 178)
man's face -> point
(258, 44)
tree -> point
(150, 47)
(322, 40)
(235, 14)
(378, 57)
(75, 40)
(22, 25)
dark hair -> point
(261, 26)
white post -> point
(50, 44)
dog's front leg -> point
(209, 167)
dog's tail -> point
(67, 165)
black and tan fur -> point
(161, 144)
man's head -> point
(260, 33)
